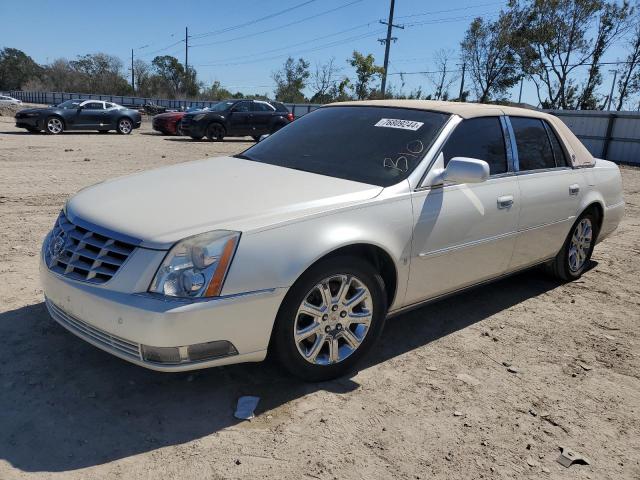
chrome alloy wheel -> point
(333, 319)
(580, 244)
(54, 125)
(125, 126)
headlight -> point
(196, 266)
(198, 117)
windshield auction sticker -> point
(397, 123)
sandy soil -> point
(435, 400)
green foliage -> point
(16, 69)
(366, 72)
(291, 80)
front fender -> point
(276, 257)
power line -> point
(252, 22)
(435, 12)
(273, 29)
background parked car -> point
(169, 123)
(79, 115)
(237, 118)
(7, 100)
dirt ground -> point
(435, 400)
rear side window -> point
(556, 146)
(242, 107)
(93, 106)
(534, 149)
(262, 107)
(479, 138)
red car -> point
(168, 123)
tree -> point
(443, 78)
(629, 73)
(290, 80)
(366, 72)
(170, 72)
(100, 73)
(325, 82)
(552, 38)
(611, 24)
(217, 92)
(490, 58)
(16, 68)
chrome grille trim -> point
(91, 333)
(82, 254)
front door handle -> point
(574, 189)
(505, 201)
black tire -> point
(564, 266)
(196, 137)
(215, 132)
(284, 345)
(256, 138)
(54, 125)
(124, 126)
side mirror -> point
(462, 170)
(262, 137)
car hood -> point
(33, 110)
(162, 206)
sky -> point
(231, 42)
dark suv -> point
(237, 118)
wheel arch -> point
(55, 115)
(593, 203)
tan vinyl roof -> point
(464, 110)
(580, 156)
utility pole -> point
(186, 49)
(387, 45)
(520, 94)
(613, 84)
(464, 67)
(133, 76)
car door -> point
(91, 115)
(550, 191)
(465, 233)
(239, 115)
(261, 120)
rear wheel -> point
(330, 318)
(125, 126)
(573, 259)
(54, 126)
(215, 131)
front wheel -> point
(573, 259)
(125, 126)
(330, 318)
(215, 131)
(54, 126)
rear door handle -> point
(574, 189)
(505, 201)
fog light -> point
(210, 350)
(161, 354)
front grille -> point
(89, 332)
(78, 253)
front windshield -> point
(70, 104)
(375, 145)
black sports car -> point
(236, 118)
(79, 115)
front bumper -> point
(123, 323)
(191, 128)
(29, 122)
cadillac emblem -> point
(56, 247)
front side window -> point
(479, 138)
(241, 107)
(532, 141)
(70, 104)
(374, 145)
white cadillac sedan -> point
(306, 242)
